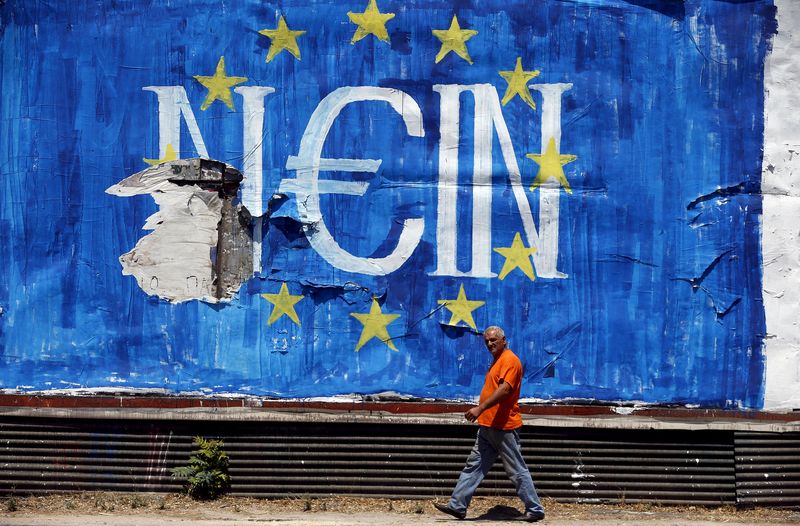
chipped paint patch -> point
(191, 250)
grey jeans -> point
(489, 444)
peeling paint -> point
(200, 246)
(720, 307)
(697, 282)
(722, 194)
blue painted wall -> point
(659, 239)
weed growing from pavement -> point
(206, 475)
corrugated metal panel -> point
(768, 468)
(386, 460)
(40, 456)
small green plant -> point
(206, 475)
(11, 504)
(307, 504)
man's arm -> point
(501, 393)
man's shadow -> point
(498, 513)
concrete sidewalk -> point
(126, 509)
(359, 519)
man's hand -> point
(499, 394)
(473, 414)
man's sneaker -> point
(450, 511)
(529, 516)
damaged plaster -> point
(781, 193)
(201, 246)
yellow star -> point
(454, 39)
(169, 155)
(550, 165)
(282, 38)
(284, 304)
(219, 86)
(375, 324)
(517, 256)
(461, 308)
(370, 22)
(517, 84)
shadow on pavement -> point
(497, 513)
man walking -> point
(497, 414)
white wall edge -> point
(780, 236)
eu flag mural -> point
(307, 199)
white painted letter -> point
(172, 103)
(447, 189)
(550, 195)
(252, 164)
(253, 131)
(307, 186)
(489, 119)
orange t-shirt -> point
(504, 415)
